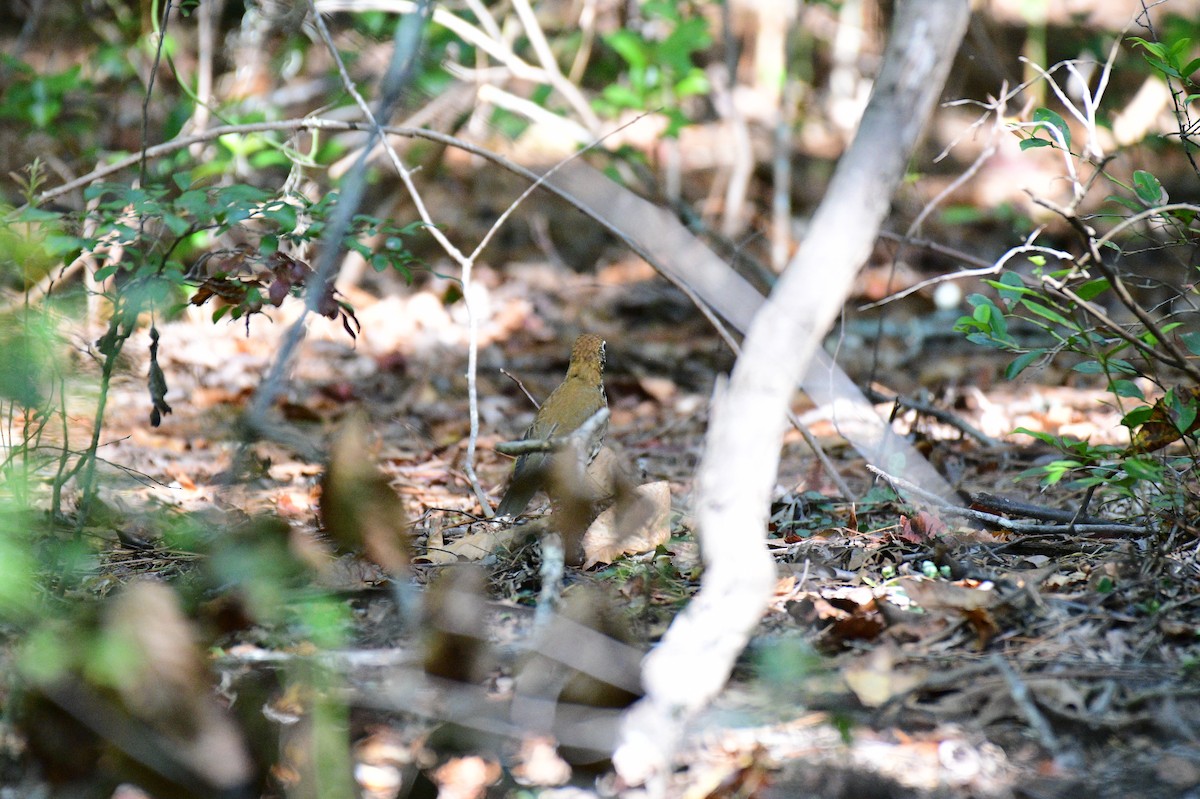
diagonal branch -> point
(742, 451)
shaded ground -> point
(1033, 665)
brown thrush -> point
(575, 401)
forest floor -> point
(902, 655)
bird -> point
(579, 397)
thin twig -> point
(1177, 358)
(521, 386)
(317, 123)
(404, 55)
(1019, 692)
(936, 247)
(940, 414)
(906, 488)
(493, 45)
(990, 269)
(1017, 508)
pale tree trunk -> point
(748, 419)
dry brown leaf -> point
(941, 595)
(640, 527)
(1164, 427)
(470, 547)
(874, 679)
(435, 546)
(358, 505)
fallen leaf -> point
(875, 680)
(469, 547)
(639, 525)
(941, 595)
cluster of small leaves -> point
(157, 230)
(1064, 316)
(42, 100)
(1053, 125)
(1152, 425)
(989, 322)
(245, 283)
(1167, 60)
(660, 68)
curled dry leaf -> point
(939, 595)
(875, 679)
(136, 704)
(361, 511)
(470, 547)
(455, 636)
(637, 525)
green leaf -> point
(1045, 438)
(1021, 363)
(1093, 288)
(630, 47)
(61, 245)
(176, 224)
(1049, 313)
(196, 203)
(1126, 388)
(1183, 410)
(1051, 119)
(1029, 144)
(985, 340)
(282, 214)
(1009, 290)
(244, 193)
(1123, 201)
(965, 324)
(622, 96)
(1121, 366)
(1187, 417)
(1137, 417)
(1148, 188)
(1157, 49)
(694, 83)
(1143, 469)
(1163, 67)
(1191, 341)
(1057, 470)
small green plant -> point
(157, 231)
(46, 100)
(660, 68)
(1063, 310)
